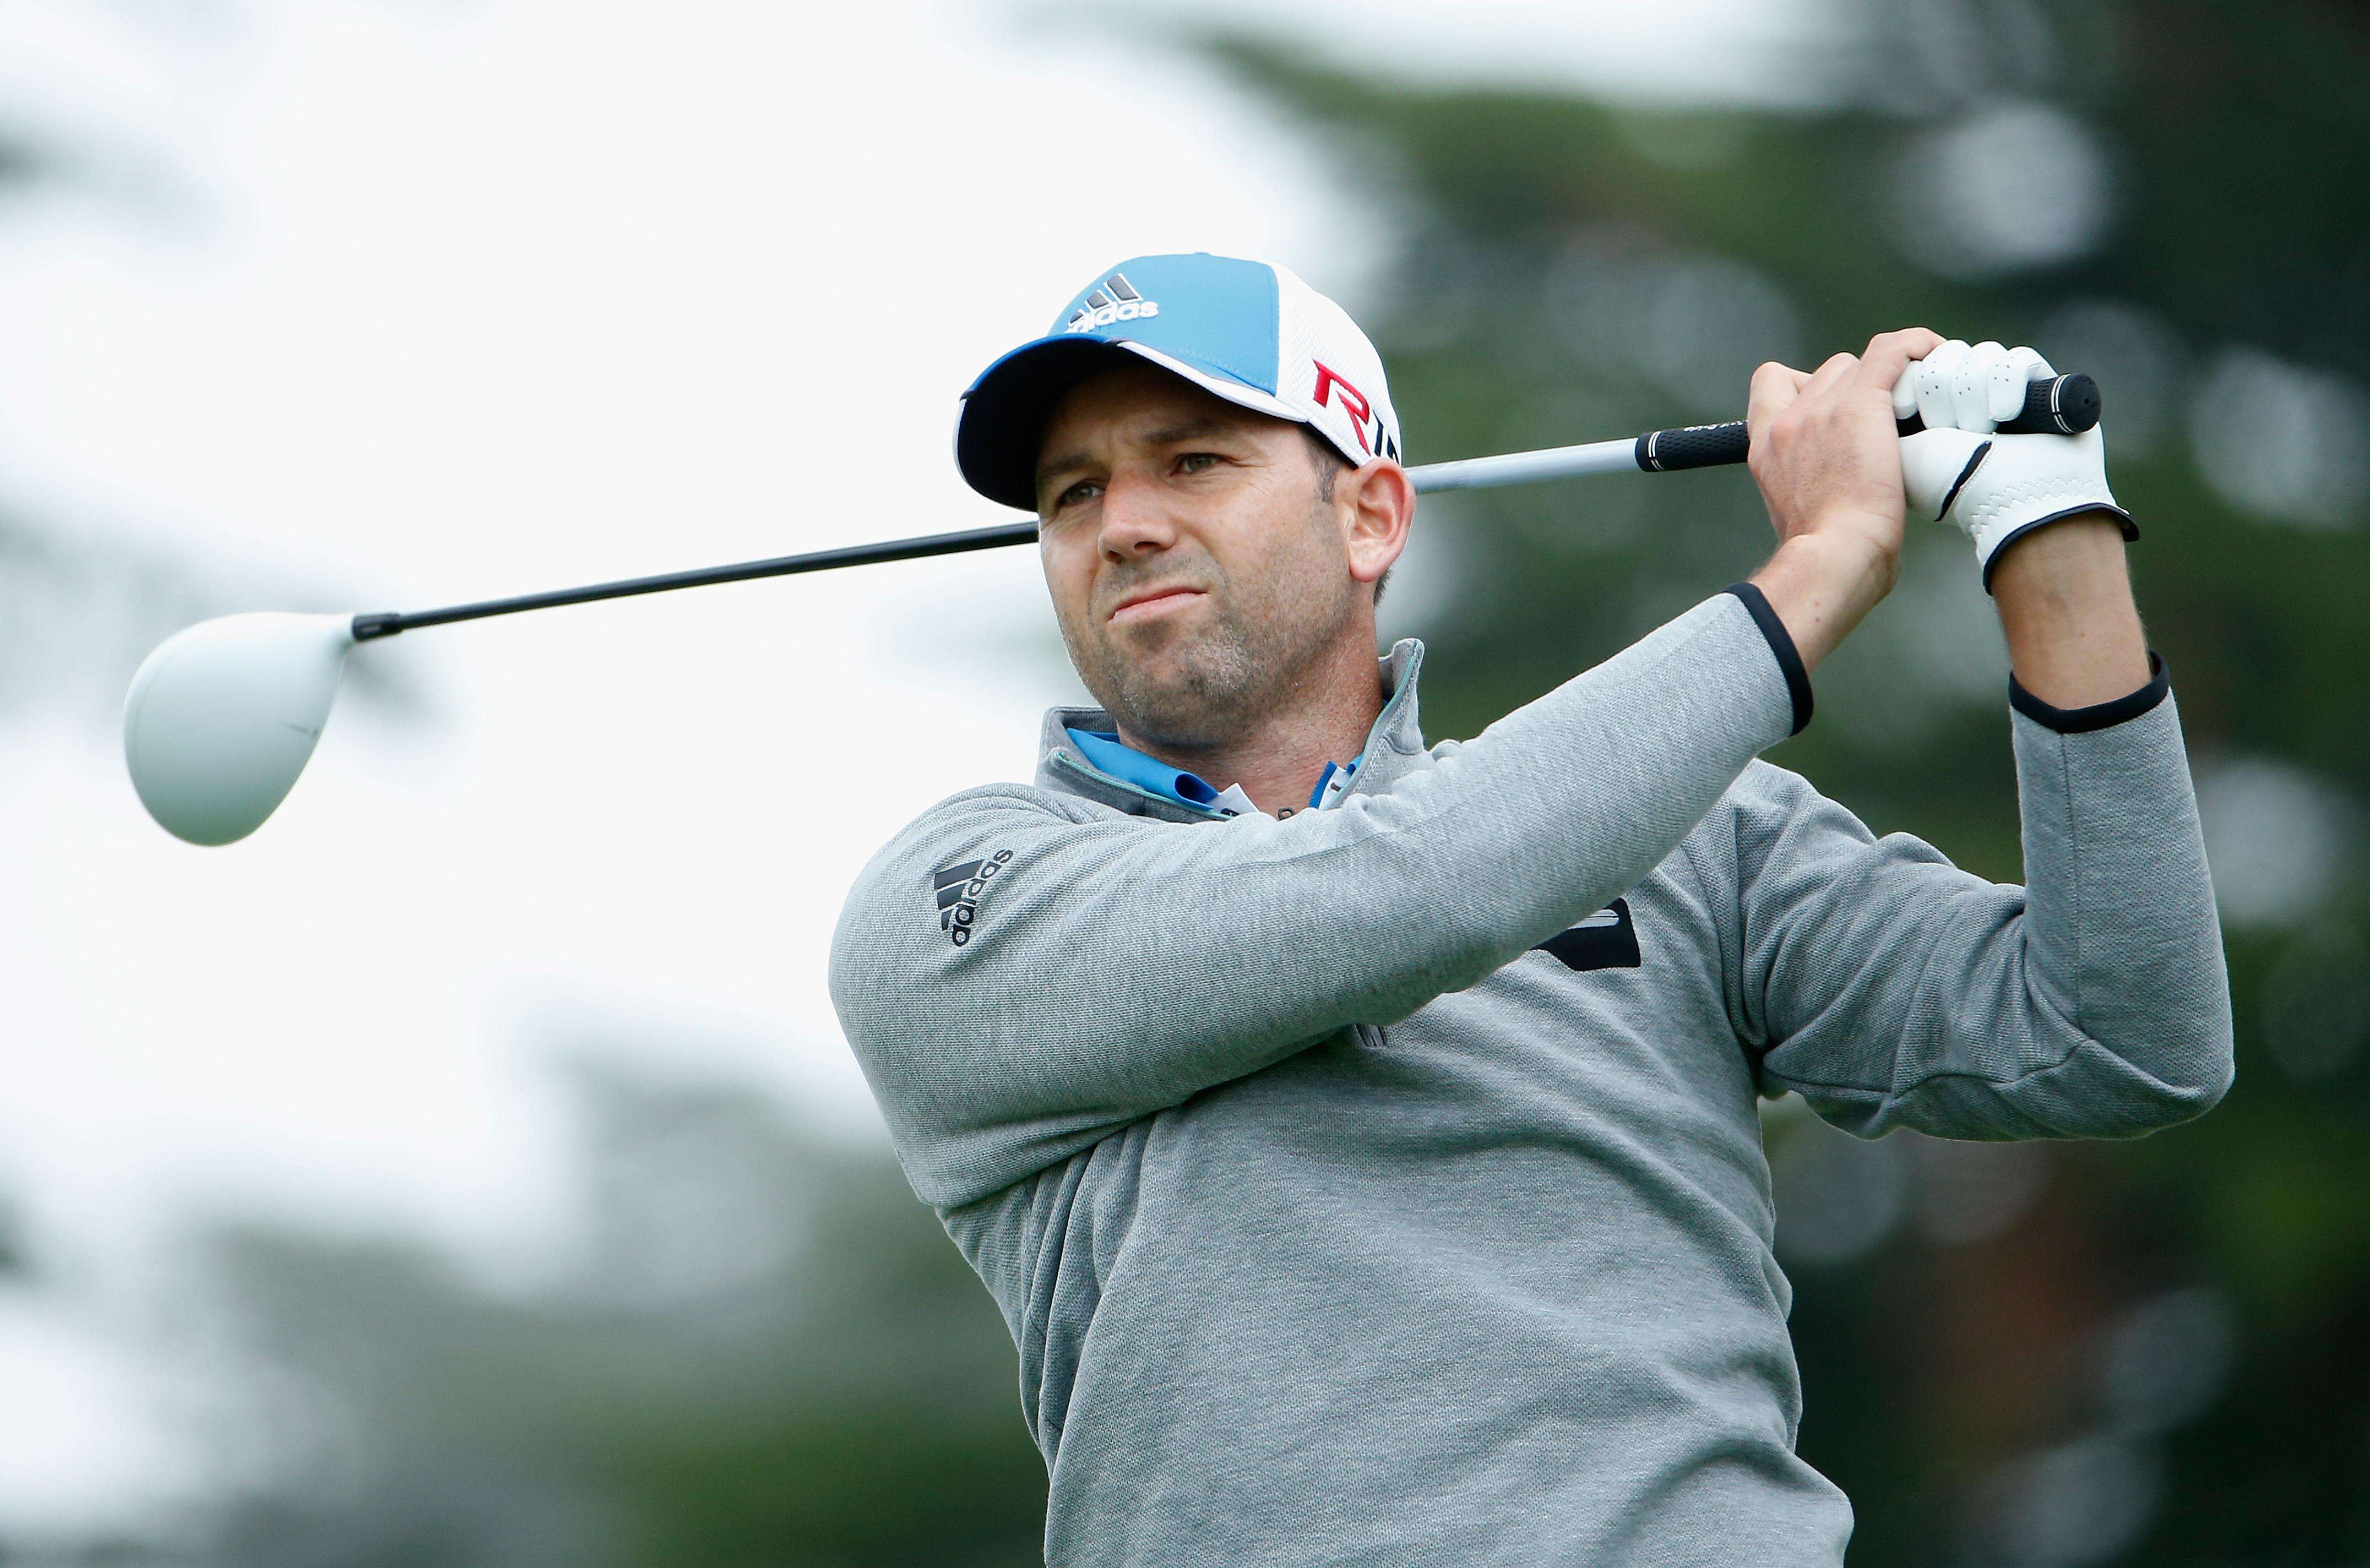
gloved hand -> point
(1996, 488)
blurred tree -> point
(79, 609)
(49, 585)
(16, 1266)
(2151, 1354)
(2061, 1356)
(764, 1351)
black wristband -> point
(1781, 643)
(2098, 716)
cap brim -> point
(1003, 414)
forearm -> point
(2090, 1002)
(2120, 931)
(2063, 593)
(1892, 988)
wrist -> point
(2063, 593)
(1850, 558)
(1822, 585)
(2082, 553)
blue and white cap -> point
(1248, 331)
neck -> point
(1278, 757)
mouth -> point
(1147, 602)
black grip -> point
(1693, 446)
(2062, 406)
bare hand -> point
(1827, 456)
(1825, 452)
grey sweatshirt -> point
(1384, 1185)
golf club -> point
(222, 717)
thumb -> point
(1934, 462)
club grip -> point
(2060, 405)
(1693, 446)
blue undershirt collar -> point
(1110, 754)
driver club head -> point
(224, 716)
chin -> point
(1181, 700)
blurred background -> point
(468, 1170)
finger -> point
(1836, 369)
(1932, 375)
(1889, 353)
(1904, 391)
(2009, 374)
(1972, 388)
(2029, 366)
(1773, 387)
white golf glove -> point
(1997, 488)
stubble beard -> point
(1208, 684)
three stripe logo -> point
(957, 889)
(1116, 300)
(948, 884)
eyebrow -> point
(1048, 472)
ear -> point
(1378, 506)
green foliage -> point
(1571, 270)
(764, 1351)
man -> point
(1359, 1136)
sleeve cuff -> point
(1781, 643)
(2098, 716)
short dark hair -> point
(1330, 466)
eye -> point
(1197, 462)
(1084, 490)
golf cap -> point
(1248, 331)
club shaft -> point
(1526, 467)
(2065, 404)
(1514, 468)
(387, 626)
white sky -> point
(463, 301)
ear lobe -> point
(1380, 502)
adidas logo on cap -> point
(1249, 331)
(1115, 301)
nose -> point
(1135, 518)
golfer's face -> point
(1183, 543)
